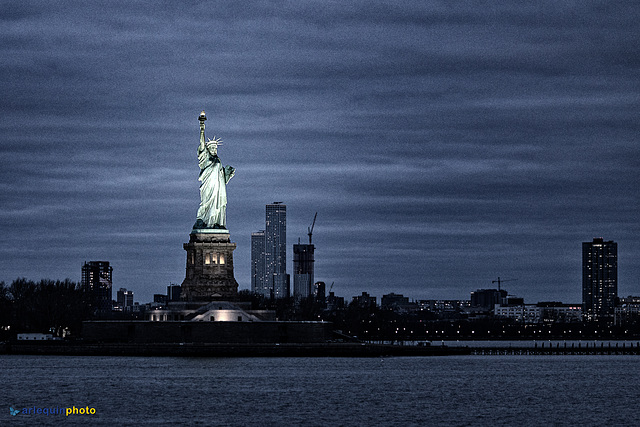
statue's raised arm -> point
(213, 179)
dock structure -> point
(558, 349)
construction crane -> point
(331, 286)
(310, 229)
(502, 280)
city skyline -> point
(442, 146)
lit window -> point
(207, 258)
(221, 258)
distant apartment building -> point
(389, 300)
(444, 306)
(97, 281)
(599, 279)
(541, 312)
(365, 301)
(486, 299)
(258, 268)
(160, 299)
(520, 313)
(334, 302)
(398, 303)
(174, 292)
(319, 291)
(124, 298)
(628, 309)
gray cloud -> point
(442, 144)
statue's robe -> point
(213, 187)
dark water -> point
(456, 391)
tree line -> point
(45, 306)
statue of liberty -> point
(213, 178)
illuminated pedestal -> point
(209, 273)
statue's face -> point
(213, 148)
(212, 145)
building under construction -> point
(303, 259)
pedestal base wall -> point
(209, 273)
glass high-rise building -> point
(258, 281)
(269, 254)
(276, 249)
(599, 278)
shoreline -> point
(229, 349)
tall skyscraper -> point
(599, 278)
(276, 249)
(303, 270)
(258, 280)
(97, 280)
(276, 279)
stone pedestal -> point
(209, 273)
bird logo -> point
(14, 412)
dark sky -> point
(443, 144)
